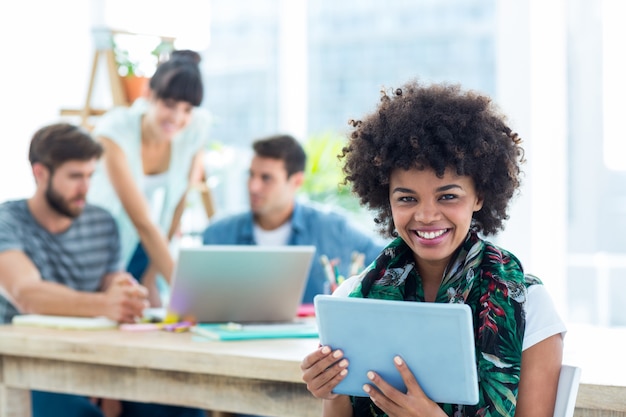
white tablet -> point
(435, 340)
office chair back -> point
(567, 391)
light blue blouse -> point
(123, 126)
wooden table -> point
(257, 377)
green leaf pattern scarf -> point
(492, 282)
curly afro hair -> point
(434, 127)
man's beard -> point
(59, 204)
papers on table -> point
(64, 322)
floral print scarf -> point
(492, 282)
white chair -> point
(567, 391)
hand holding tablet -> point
(435, 340)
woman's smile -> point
(432, 215)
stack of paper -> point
(64, 322)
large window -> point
(557, 71)
(556, 67)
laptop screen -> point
(239, 283)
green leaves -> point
(323, 174)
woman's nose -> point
(426, 212)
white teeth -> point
(431, 235)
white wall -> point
(44, 65)
(531, 59)
(47, 59)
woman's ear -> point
(478, 204)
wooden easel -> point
(103, 39)
(104, 50)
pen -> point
(328, 270)
(358, 261)
(183, 326)
(338, 277)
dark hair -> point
(283, 147)
(58, 143)
(437, 126)
(179, 78)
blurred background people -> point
(276, 217)
(61, 256)
(153, 154)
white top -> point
(153, 188)
(122, 125)
(542, 319)
(276, 237)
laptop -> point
(239, 283)
(436, 341)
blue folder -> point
(236, 331)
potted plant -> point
(135, 83)
(133, 71)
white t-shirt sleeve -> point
(542, 319)
(346, 287)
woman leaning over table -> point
(153, 153)
(445, 166)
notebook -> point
(435, 340)
(64, 322)
(239, 283)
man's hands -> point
(125, 299)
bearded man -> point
(61, 256)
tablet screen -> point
(435, 340)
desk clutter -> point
(155, 321)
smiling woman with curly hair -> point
(439, 165)
(435, 127)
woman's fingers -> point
(396, 403)
(412, 386)
(322, 370)
(381, 392)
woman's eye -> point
(406, 199)
(448, 197)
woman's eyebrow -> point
(448, 187)
(402, 190)
(440, 189)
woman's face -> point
(167, 117)
(432, 215)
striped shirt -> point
(78, 257)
